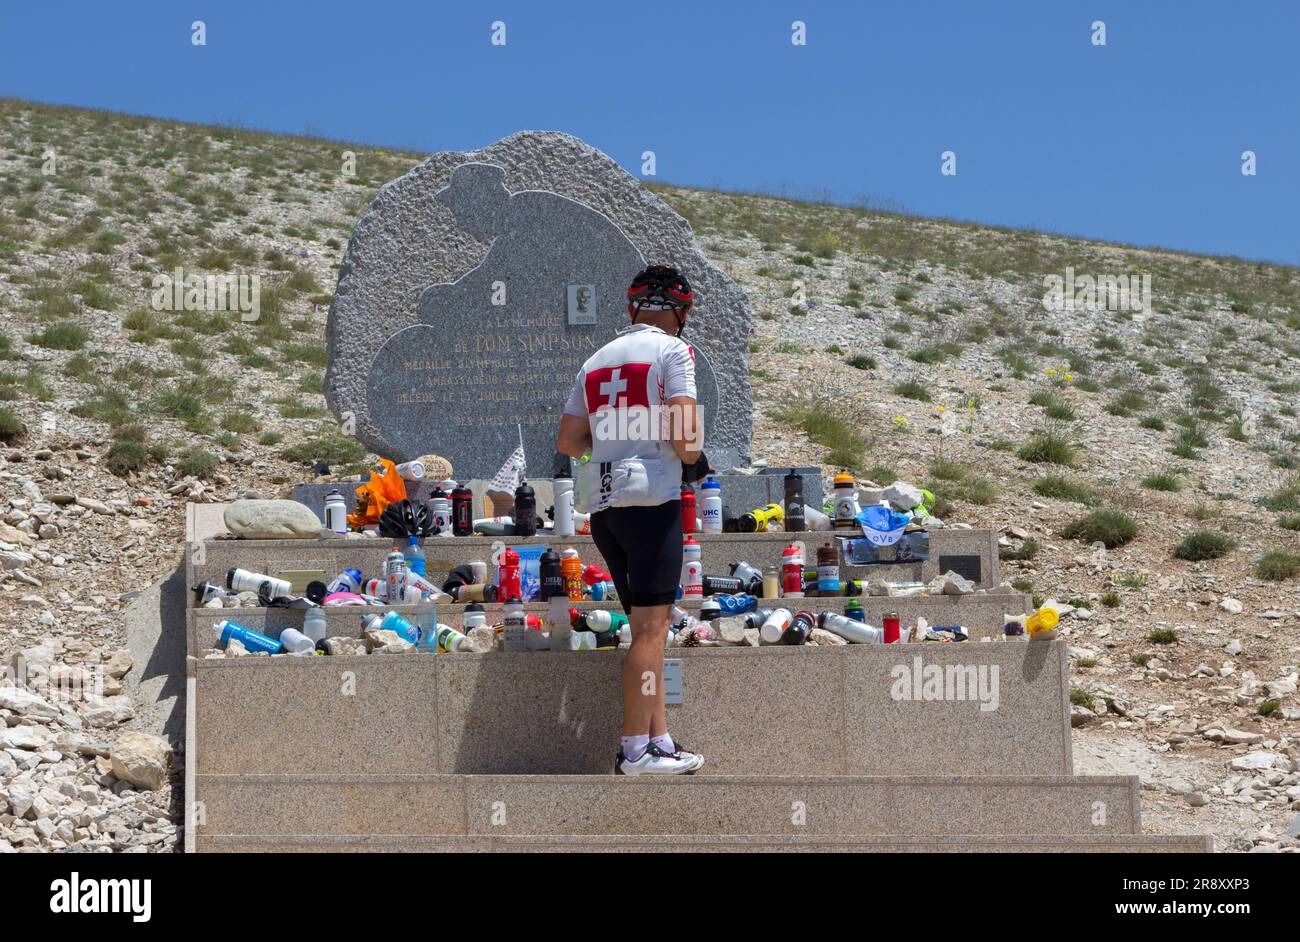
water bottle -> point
(440, 510)
(241, 580)
(349, 580)
(794, 514)
(295, 642)
(336, 512)
(828, 570)
(474, 617)
(849, 629)
(250, 639)
(426, 620)
(711, 501)
(550, 575)
(414, 556)
(774, 627)
(516, 625)
(462, 511)
(314, 625)
(571, 571)
(688, 508)
(737, 604)
(525, 510)
(799, 629)
(846, 501)
(692, 570)
(563, 503)
(853, 609)
(391, 622)
(450, 640)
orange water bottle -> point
(571, 571)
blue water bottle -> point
(737, 604)
(250, 639)
(414, 556)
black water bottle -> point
(525, 510)
(794, 518)
(550, 574)
(462, 510)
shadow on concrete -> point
(155, 636)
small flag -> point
(511, 474)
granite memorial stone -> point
(476, 285)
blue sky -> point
(1137, 141)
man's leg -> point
(643, 672)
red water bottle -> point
(508, 581)
(792, 570)
(688, 509)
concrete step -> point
(949, 548)
(674, 843)
(703, 804)
(980, 614)
(997, 708)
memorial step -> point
(972, 553)
(923, 709)
(981, 615)
(703, 804)
(676, 843)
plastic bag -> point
(372, 497)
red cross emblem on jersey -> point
(622, 386)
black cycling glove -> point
(695, 472)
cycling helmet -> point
(404, 518)
(660, 288)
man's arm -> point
(684, 430)
(574, 439)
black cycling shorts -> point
(643, 548)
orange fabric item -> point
(372, 497)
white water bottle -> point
(336, 512)
(563, 504)
(711, 505)
(295, 642)
(692, 569)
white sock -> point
(664, 743)
(634, 747)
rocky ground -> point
(899, 347)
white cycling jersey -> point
(620, 390)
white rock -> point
(25, 703)
(141, 759)
(1233, 647)
(1231, 606)
(1257, 760)
(271, 520)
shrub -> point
(912, 389)
(1111, 528)
(1163, 481)
(1027, 550)
(862, 362)
(11, 427)
(196, 463)
(332, 448)
(1269, 707)
(1111, 599)
(1286, 497)
(1289, 522)
(1163, 636)
(1153, 422)
(1278, 565)
(1058, 487)
(64, 335)
(1048, 446)
(1204, 544)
